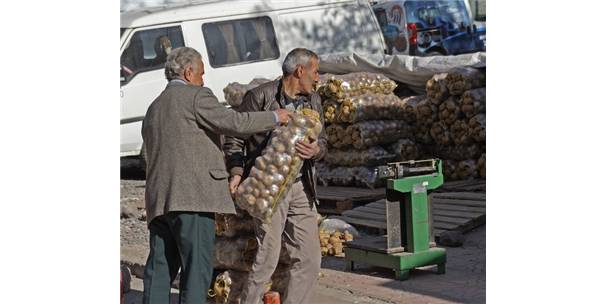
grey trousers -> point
(294, 222)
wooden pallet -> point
(471, 185)
(335, 200)
(460, 211)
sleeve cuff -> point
(276, 118)
(236, 171)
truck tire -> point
(434, 53)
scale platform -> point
(408, 243)
(374, 251)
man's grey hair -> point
(178, 60)
(299, 56)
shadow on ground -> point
(464, 281)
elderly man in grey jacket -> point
(186, 176)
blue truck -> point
(429, 27)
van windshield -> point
(429, 14)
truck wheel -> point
(434, 53)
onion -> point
(284, 170)
(279, 147)
(271, 169)
(274, 190)
(279, 179)
(266, 193)
(268, 180)
(300, 121)
(250, 199)
(262, 204)
(260, 163)
(281, 160)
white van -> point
(239, 40)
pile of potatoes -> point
(333, 244)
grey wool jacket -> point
(185, 165)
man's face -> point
(194, 73)
(310, 75)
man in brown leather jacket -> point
(295, 219)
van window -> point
(429, 14)
(240, 41)
(147, 50)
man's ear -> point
(188, 73)
(299, 71)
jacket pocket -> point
(218, 174)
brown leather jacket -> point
(240, 153)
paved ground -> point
(322, 295)
(464, 281)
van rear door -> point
(142, 59)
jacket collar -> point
(176, 82)
(280, 95)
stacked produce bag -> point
(457, 122)
(363, 119)
(369, 126)
(234, 92)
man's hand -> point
(307, 150)
(284, 115)
(234, 181)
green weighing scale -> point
(407, 244)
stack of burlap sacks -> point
(235, 249)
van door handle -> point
(121, 93)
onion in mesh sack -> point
(371, 106)
(277, 167)
(338, 87)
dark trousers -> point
(180, 240)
